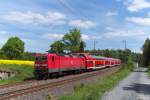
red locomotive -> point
(49, 64)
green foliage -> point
(129, 65)
(24, 72)
(146, 53)
(57, 47)
(51, 97)
(2, 56)
(28, 56)
(148, 72)
(95, 90)
(14, 48)
(71, 42)
(137, 57)
(106, 53)
(82, 46)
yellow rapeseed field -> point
(17, 62)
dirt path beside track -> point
(134, 87)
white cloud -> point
(54, 36)
(82, 24)
(137, 5)
(35, 18)
(3, 33)
(139, 20)
(109, 28)
(111, 14)
(86, 37)
(48, 18)
(124, 33)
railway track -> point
(25, 91)
(18, 83)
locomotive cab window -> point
(41, 59)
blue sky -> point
(41, 22)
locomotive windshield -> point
(41, 59)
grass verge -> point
(24, 72)
(96, 90)
(149, 72)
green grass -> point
(149, 72)
(24, 72)
(97, 89)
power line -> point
(71, 9)
(75, 12)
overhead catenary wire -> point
(75, 12)
(71, 10)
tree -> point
(73, 41)
(146, 53)
(14, 48)
(82, 46)
(2, 56)
(106, 53)
(57, 47)
(29, 56)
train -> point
(50, 64)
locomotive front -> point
(41, 66)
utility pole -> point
(125, 47)
(94, 44)
(125, 44)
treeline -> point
(14, 49)
(71, 42)
(146, 53)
